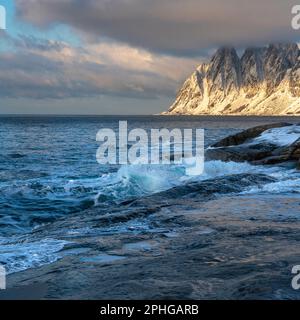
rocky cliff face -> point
(264, 81)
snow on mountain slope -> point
(264, 81)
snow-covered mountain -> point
(264, 81)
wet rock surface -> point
(192, 252)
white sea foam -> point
(138, 180)
(284, 136)
(21, 255)
(286, 186)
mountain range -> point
(263, 81)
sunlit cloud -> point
(51, 69)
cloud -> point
(178, 27)
(132, 48)
(41, 69)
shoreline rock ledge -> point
(277, 143)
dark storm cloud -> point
(180, 27)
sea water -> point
(48, 170)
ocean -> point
(48, 171)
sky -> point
(121, 56)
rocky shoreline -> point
(202, 240)
(244, 147)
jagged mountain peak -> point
(224, 58)
(263, 81)
(224, 52)
(224, 72)
(253, 52)
(286, 53)
(284, 47)
(252, 69)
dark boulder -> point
(240, 153)
(284, 154)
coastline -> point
(222, 236)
